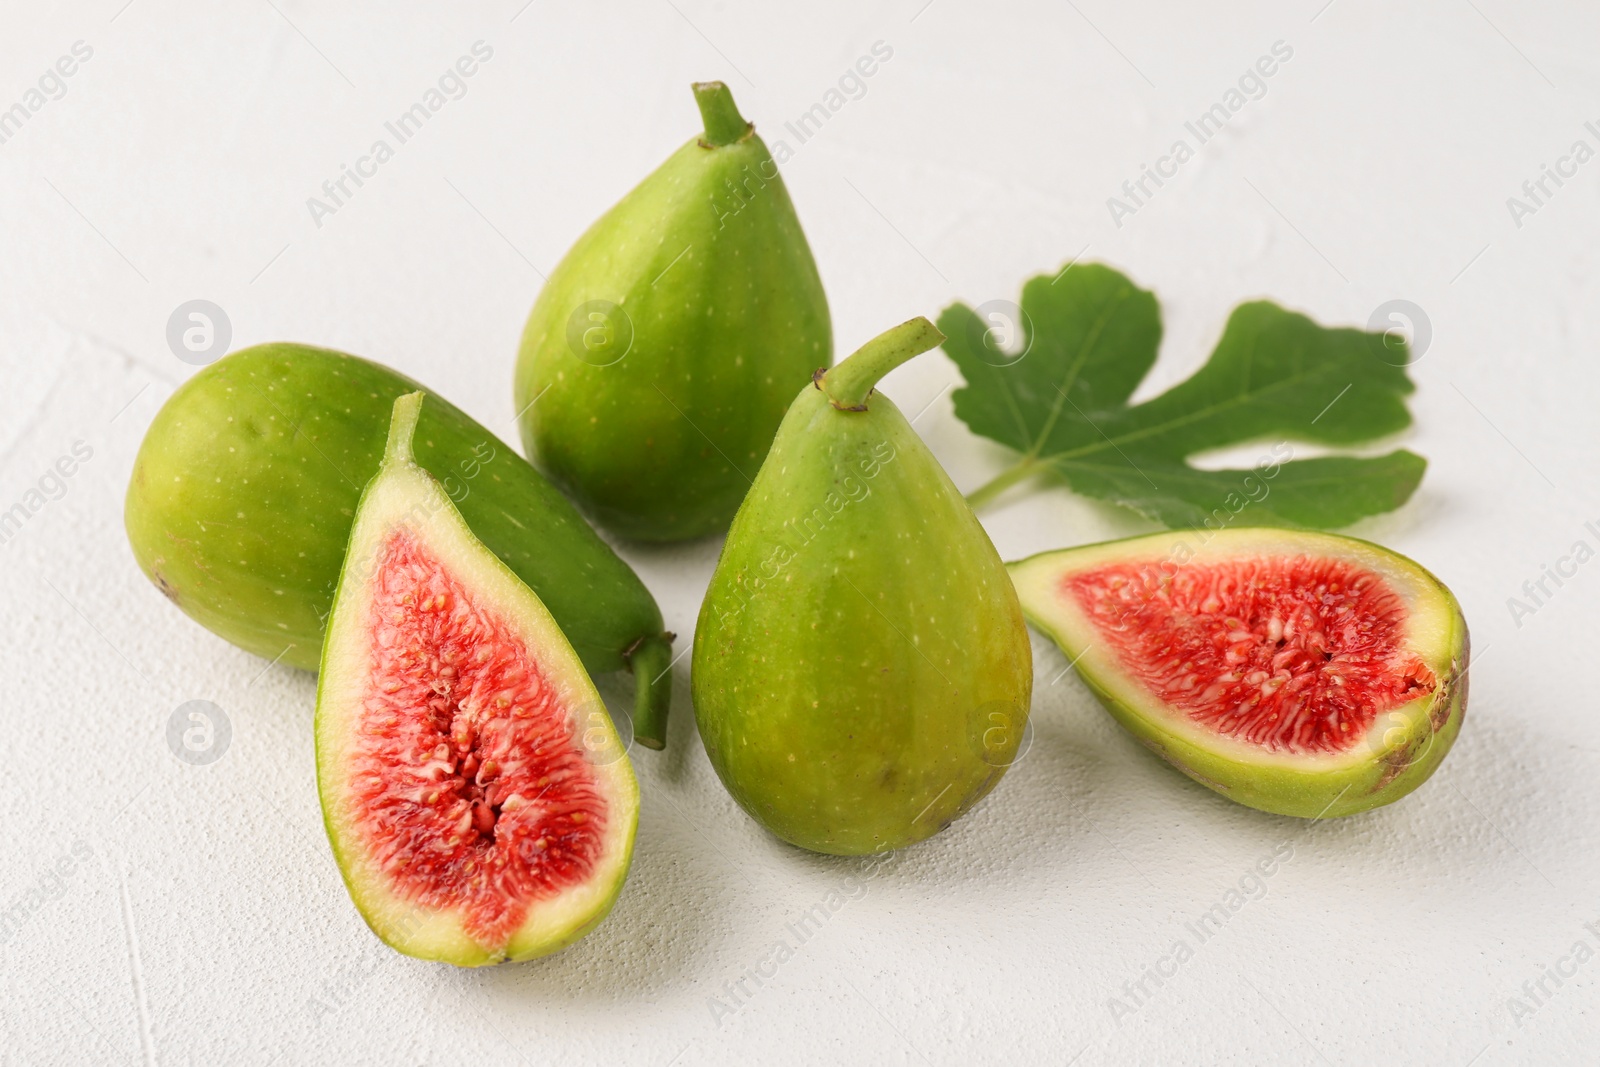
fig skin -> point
(1403, 747)
(861, 671)
(660, 355)
(245, 487)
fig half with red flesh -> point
(477, 797)
(1300, 673)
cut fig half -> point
(477, 797)
(1300, 673)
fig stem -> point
(724, 125)
(402, 427)
(651, 661)
(850, 383)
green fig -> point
(861, 670)
(477, 799)
(659, 357)
(1296, 672)
(242, 497)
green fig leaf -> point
(1320, 493)
(1058, 394)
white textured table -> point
(202, 919)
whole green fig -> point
(861, 669)
(659, 357)
(244, 491)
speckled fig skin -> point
(862, 672)
(661, 353)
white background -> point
(209, 924)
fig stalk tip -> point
(850, 383)
(723, 123)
